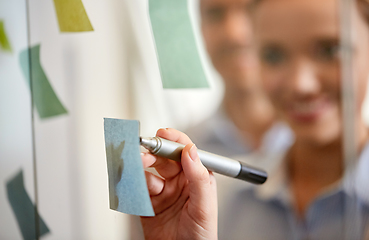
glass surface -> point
(16, 145)
(288, 80)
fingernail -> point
(193, 153)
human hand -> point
(184, 199)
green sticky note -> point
(128, 191)
(44, 97)
(72, 16)
(24, 210)
(179, 59)
(4, 41)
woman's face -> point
(298, 49)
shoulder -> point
(217, 134)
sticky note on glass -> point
(128, 191)
(4, 40)
(179, 59)
(72, 16)
(46, 101)
(23, 209)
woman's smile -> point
(308, 111)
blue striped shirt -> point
(267, 212)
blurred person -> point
(307, 194)
(246, 120)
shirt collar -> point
(356, 181)
(276, 187)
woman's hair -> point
(363, 7)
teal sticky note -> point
(24, 210)
(45, 99)
(4, 40)
(128, 191)
(179, 59)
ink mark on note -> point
(23, 209)
(115, 171)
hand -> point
(184, 199)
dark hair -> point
(363, 7)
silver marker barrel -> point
(222, 165)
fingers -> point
(201, 183)
(165, 193)
(194, 170)
(188, 180)
(173, 135)
(166, 168)
(171, 194)
(155, 184)
(148, 159)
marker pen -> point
(222, 165)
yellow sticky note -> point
(4, 41)
(72, 16)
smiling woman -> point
(306, 195)
(300, 69)
(298, 47)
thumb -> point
(201, 182)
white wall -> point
(110, 72)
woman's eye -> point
(273, 56)
(328, 51)
(214, 14)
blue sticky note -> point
(128, 191)
(24, 210)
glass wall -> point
(287, 83)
